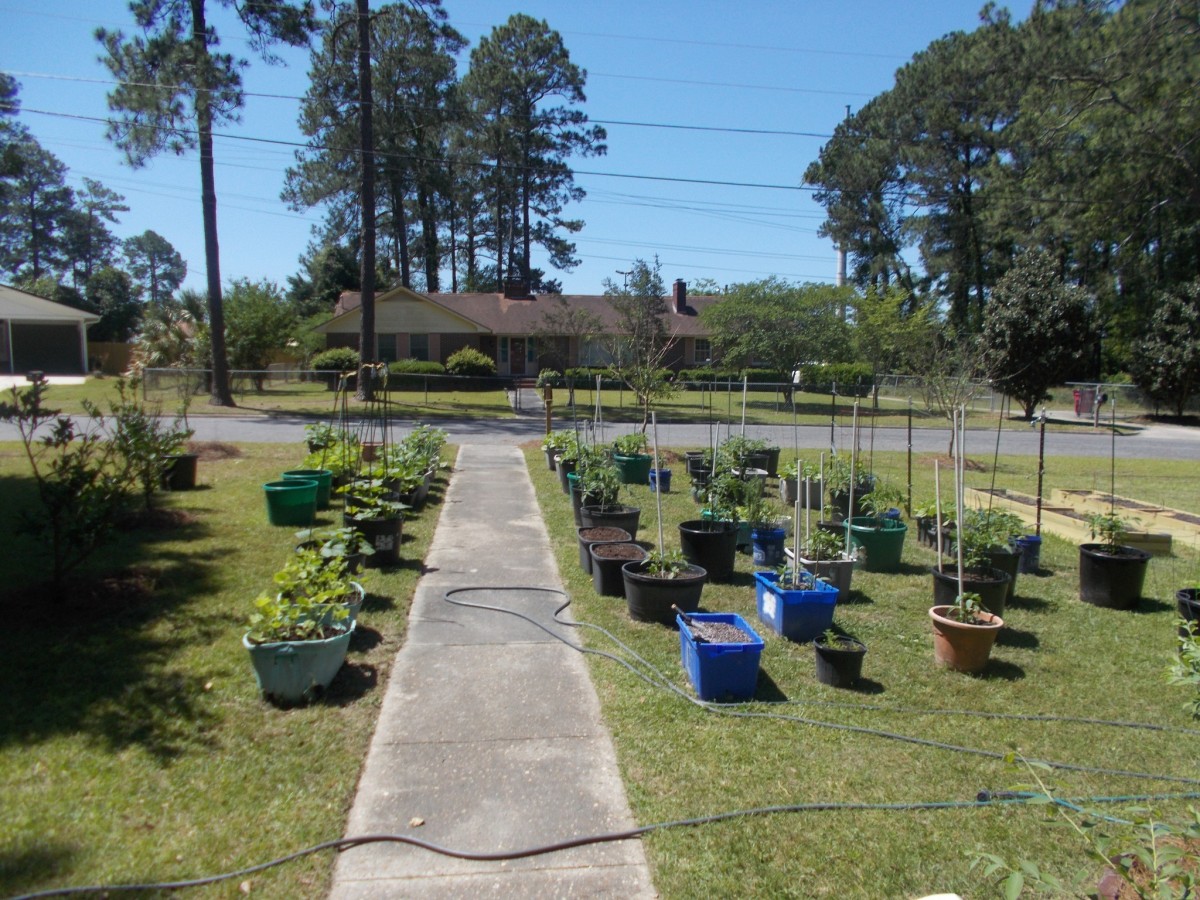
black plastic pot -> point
(627, 517)
(840, 665)
(710, 545)
(607, 560)
(650, 597)
(1009, 562)
(1111, 580)
(384, 535)
(589, 535)
(1188, 606)
(179, 471)
(991, 586)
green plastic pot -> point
(883, 541)
(633, 469)
(323, 478)
(291, 502)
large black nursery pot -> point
(627, 517)
(590, 535)
(710, 545)
(650, 597)
(1111, 579)
(607, 561)
(1007, 560)
(990, 584)
(1187, 604)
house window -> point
(387, 348)
(418, 346)
(504, 350)
(593, 352)
(703, 353)
(530, 351)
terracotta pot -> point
(962, 646)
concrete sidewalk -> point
(490, 733)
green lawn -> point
(135, 746)
(295, 398)
(1057, 656)
(133, 743)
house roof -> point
(21, 306)
(505, 315)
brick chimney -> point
(679, 295)
(517, 288)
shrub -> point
(468, 361)
(550, 378)
(692, 377)
(849, 378)
(336, 359)
(416, 367)
(766, 376)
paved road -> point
(1151, 442)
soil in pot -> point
(607, 560)
(597, 534)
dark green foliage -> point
(469, 361)
(141, 439)
(852, 379)
(336, 359)
(155, 265)
(1037, 331)
(416, 367)
(258, 324)
(1166, 361)
(110, 293)
(81, 493)
(705, 376)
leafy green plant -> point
(1152, 860)
(838, 475)
(557, 441)
(631, 444)
(799, 469)
(279, 618)
(336, 543)
(983, 531)
(140, 438)
(336, 359)
(664, 564)
(1109, 528)
(81, 494)
(831, 637)
(793, 578)
(1185, 669)
(600, 484)
(883, 497)
(822, 545)
(321, 579)
(321, 436)
(759, 510)
(371, 499)
(726, 495)
(469, 361)
(966, 607)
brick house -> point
(504, 327)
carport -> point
(38, 334)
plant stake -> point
(657, 482)
(853, 460)
(937, 501)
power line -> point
(300, 99)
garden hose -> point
(983, 799)
(656, 678)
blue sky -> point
(772, 65)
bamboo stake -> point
(853, 462)
(745, 384)
(958, 493)
(657, 483)
(937, 500)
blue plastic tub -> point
(799, 615)
(720, 671)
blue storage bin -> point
(797, 615)
(720, 671)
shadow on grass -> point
(27, 868)
(98, 658)
(353, 681)
(766, 690)
(1149, 606)
(999, 670)
(1020, 601)
(1016, 637)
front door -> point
(516, 356)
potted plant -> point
(745, 453)
(879, 532)
(321, 436)
(824, 555)
(631, 459)
(837, 481)
(1187, 603)
(925, 515)
(567, 459)
(659, 582)
(373, 511)
(297, 643)
(1111, 574)
(767, 531)
(795, 475)
(711, 541)
(323, 582)
(721, 654)
(988, 536)
(553, 444)
(795, 603)
(337, 543)
(596, 484)
(963, 634)
(839, 658)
